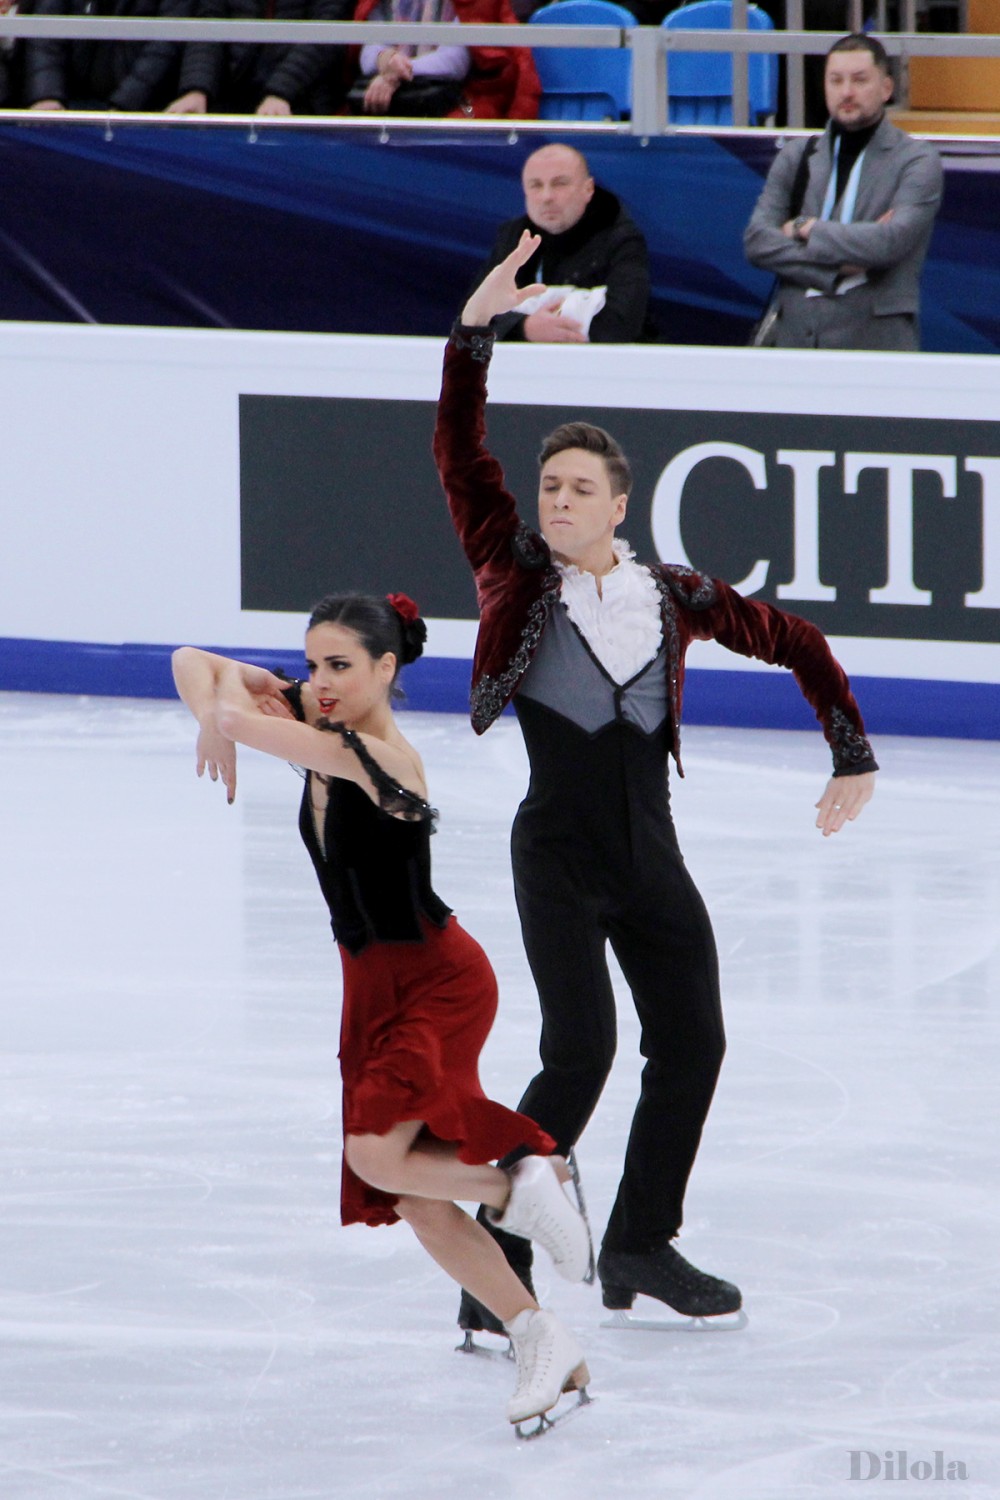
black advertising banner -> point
(870, 526)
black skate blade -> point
(546, 1422)
(484, 1351)
(720, 1323)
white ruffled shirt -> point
(622, 623)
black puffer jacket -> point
(238, 77)
(603, 248)
(122, 75)
(9, 91)
(12, 64)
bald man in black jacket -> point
(588, 240)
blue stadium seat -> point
(700, 84)
(579, 83)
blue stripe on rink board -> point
(957, 710)
(890, 705)
(436, 684)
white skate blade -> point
(721, 1323)
(574, 1177)
(484, 1351)
(545, 1421)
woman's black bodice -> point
(374, 863)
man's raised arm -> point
(483, 512)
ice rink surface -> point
(182, 1316)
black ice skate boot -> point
(667, 1276)
(473, 1317)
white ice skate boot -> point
(538, 1209)
(549, 1362)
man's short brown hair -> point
(860, 41)
(591, 440)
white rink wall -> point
(120, 483)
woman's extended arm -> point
(238, 703)
(249, 712)
(197, 676)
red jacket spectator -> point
(502, 83)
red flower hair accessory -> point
(404, 607)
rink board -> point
(164, 486)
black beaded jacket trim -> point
(698, 591)
(490, 695)
(852, 752)
(672, 641)
(479, 341)
(530, 550)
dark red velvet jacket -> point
(518, 586)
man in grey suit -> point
(844, 219)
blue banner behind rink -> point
(337, 231)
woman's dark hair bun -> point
(414, 637)
(413, 628)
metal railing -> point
(650, 47)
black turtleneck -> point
(852, 143)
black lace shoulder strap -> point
(392, 798)
(293, 693)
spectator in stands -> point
(482, 82)
(844, 222)
(819, 15)
(10, 59)
(411, 80)
(102, 75)
(592, 258)
(254, 78)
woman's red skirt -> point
(416, 1016)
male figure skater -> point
(589, 645)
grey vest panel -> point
(566, 677)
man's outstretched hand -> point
(843, 799)
(499, 292)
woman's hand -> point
(499, 292)
(395, 65)
(378, 95)
(217, 755)
(203, 680)
(843, 800)
(266, 690)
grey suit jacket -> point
(898, 172)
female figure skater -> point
(419, 993)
